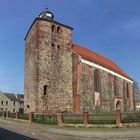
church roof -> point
(98, 59)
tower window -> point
(96, 81)
(45, 89)
(58, 30)
(14, 110)
(53, 28)
(52, 45)
(58, 46)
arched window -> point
(96, 81)
(118, 105)
(45, 89)
(127, 90)
(110, 78)
(115, 86)
(124, 89)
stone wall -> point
(51, 66)
(107, 98)
(56, 79)
(31, 53)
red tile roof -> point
(98, 59)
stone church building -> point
(67, 77)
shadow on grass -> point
(9, 135)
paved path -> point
(10, 130)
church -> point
(61, 76)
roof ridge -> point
(95, 53)
(99, 59)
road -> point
(11, 130)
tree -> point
(137, 89)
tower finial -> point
(46, 14)
(46, 6)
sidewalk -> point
(78, 132)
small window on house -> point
(127, 90)
(96, 81)
(6, 102)
(14, 103)
(58, 30)
(2, 102)
(53, 28)
(14, 110)
(45, 89)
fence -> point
(16, 115)
(102, 118)
(99, 118)
(85, 118)
(45, 119)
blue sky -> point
(110, 27)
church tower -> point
(48, 66)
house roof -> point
(11, 96)
(98, 59)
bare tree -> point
(137, 89)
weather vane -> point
(46, 6)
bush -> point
(131, 117)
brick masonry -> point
(50, 62)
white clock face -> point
(49, 15)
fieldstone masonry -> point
(57, 81)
